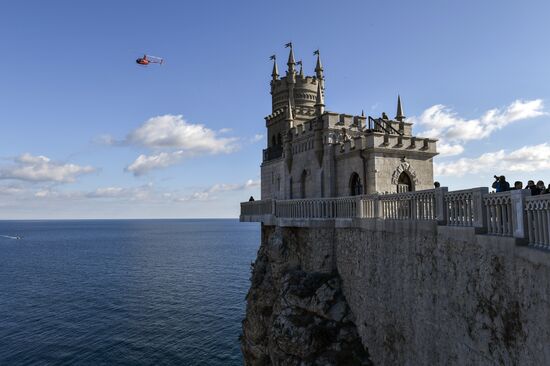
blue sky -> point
(76, 112)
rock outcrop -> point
(297, 315)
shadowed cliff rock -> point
(296, 317)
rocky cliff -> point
(412, 293)
(296, 312)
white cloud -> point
(10, 190)
(107, 192)
(443, 123)
(172, 138)
(145, 163)
(525, 159)
(172, 131)
(141, 193)
(450, 149)
(32, 168)
(210, 192)
(257, 137)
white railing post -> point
(519, 217)
(479, 209)
(440, 211)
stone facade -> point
(316, 153)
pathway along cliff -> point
(296, 313)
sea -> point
(124, 292)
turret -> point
(319, 69)
(291, 73)
(319, 102)
(275, 72)
(289, 115)
(300, 89)
(287, 143)
(399, 116)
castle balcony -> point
(514, 214)
(272, 153)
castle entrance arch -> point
(355, 186)
(404, 177)
(404, 183)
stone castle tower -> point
(312, 152)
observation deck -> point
(514, 214)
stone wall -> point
(441, 295)
(422, 294)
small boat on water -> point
(12, 237)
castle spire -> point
(291, 63)
(399, 116)
(319, 102)
(319, 69)
(319, 66)
(275, 72)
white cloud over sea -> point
(453, 131)
(39, 168)
(171, 139)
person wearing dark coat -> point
(500, 184)
(533, 188)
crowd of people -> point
(501, 185)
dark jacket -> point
(501, 186)
(534, 190)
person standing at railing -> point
(500, 184)
(437, 185)
(547, 190)
(517, 185)
(251, 199)
(541, 187)
(533, 188)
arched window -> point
(355, 186)
(273, 140)
(279, 139)
(303, 181)
(290, 190)
(404, 183)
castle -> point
(362, 259)
(312, 152)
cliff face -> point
(414, 293)
(296, 312)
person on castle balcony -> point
(547, 190)
(533, 188)
(500, 184)
(437, 185)
(541, 187)
(251, 199)
(517, 185)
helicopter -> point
(148, 59)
